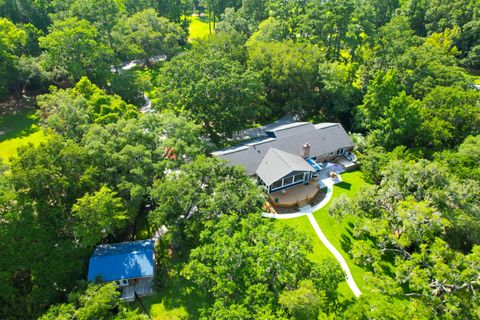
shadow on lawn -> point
(178, 293)
(174, 292)
(203, 19)
(346, 239)
(346, 243)
(17, 125)
(344, 185)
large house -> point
(130, 264)
(290, 154)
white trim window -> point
(277, 184)
(288, 180)
(298, 177)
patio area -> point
(295, 197)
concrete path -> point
(308, 211)
(351, 282)
(148, 104)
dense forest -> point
(401, 75)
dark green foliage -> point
(70, 111)
(26, 11)
(340, 96)
(64, 197)
(103, 14)
(73, 49)
(216, 92)
(327, 22)
(96, 302)
(423, 214)
(289, 72)
(390, 69)
(449, 115)
(12, 41)
(463, 162)
(228, 44)
(131, 86)
(146, 34)
(201, 191)
(246, 269)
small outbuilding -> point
(130, 264)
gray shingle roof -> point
(323, 138)
(277, 164)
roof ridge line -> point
(281, 157)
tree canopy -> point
(131, 103)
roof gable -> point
(322, 137)
(277, 164)
(124, 260)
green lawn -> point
(198, 28)
(337, 232)
(19, 129)
(320, 252)
(176, 300)
(142, 229)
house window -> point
(288, 180)
(122, 282)
(277, 184)
(340, 151)
(332, 153)
(298, 177)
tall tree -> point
(145, 34)
(289, 72)
(96, 302)
(12, 41)
(26, 11)
(449, 115)
(203, 190)
(327, 22)
(69, 111)
(215, 91)
(245, 268)
(97, 216)
(102, 14)
(73, 49)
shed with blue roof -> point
(130, 264)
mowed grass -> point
(19, 129)
(302, 224)
(198, 28)
(176, 299)
(339, 233)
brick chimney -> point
(305, 151)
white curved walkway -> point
(308, 211)
(350, 281)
